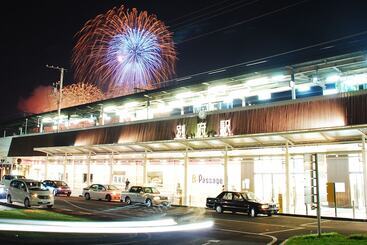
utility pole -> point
(60, 84)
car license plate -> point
(44, 201)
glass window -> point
(237, 197)
(228, 196)
(134, 189)
(147, 190)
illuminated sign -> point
(225, 128)
(181, 131)
(201, 130)
(201, 179)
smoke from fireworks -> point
(122, 50)
(44, 99)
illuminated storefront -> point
(197, 147)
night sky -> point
(36, 33)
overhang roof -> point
(294, 138)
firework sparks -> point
(43, 99)
(122, 50)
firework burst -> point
(123, 50)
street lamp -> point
(60, 84)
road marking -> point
(272, 232)
(313, 223)
(273, 238)
(251, 222)
(210, 242)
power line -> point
(226, 9)
(245, 21)
(198, 11)
(264, 59)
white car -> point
(149, 196)
(30, 193)
(102, 192)
(6, 179)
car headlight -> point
(34, 195)
(113, 193)
(156, 198)
(264, 206)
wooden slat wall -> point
(347, 110)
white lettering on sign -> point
(200, 179)
(181, 131)
(225, 128)
(201, 130)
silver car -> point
(30, 193)
(147, 195)
(102, 192)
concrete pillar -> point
(111, 169)
(225, 170)
(364, 162)
(186, 173)
(287, 178)
(88, 171)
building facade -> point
(255, 132)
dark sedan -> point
(57, 187)
(240, 202)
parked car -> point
(2, 191)
(57, 187)
(102, 192)
(6, 179)
(30, 193)
(241, 202)
(148, 195)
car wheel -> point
(55, 192)
(87, 196)
(252, 212)
(68, 194)
(8, 199)
(50, 206)
(128, 200)
(27, 204)
(149, 203)
(108, 198)
(219, 209)
(269, 214)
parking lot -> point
(228, 227)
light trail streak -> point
(154, 226)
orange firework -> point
(122, 50)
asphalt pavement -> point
(228, 228)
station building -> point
(230, 129)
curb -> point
(323, 217)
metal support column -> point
(46, 167)
(145, 169)
(88, 171)
(364, 162)
(287, 178)
(111, 169)
(64, 172)
(186, 168)
(73, 177)
(225, 170)
(318, 194)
